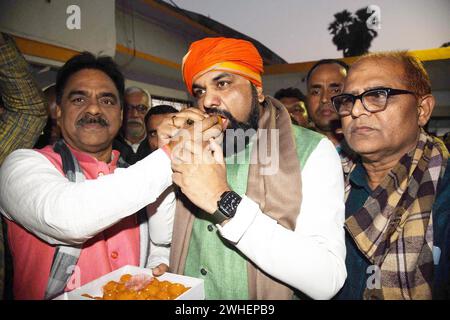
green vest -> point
(212, 258)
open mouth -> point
(222, 121)
(224, 117)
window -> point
(176, 103)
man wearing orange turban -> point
(237, 56)
(255, 224)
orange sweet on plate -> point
(176, 289)
(163, 295)
(125, 278)
(126, 295)
(140, 287)
(110, 286)
(151, 290)
(164, 285)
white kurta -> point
(312, 257)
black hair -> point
(326, 61)
(290, 93)
(87, 60)
(159, 109)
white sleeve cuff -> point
(161, 214)
(236, 227)
(157, 256)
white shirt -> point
(161, 215)
(311, 258)
(135, 146)
(34, 194)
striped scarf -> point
(394, 228)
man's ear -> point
(58, 115)
(261, 97)
(425, 108)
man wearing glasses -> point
(398, 186)
(132, 142)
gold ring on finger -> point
(173, 121)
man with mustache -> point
(268, 218)
(71, 208)
(132, 142)
(398, 186)
(324, 80)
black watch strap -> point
(218, 217)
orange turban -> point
(226, 54)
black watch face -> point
(229, 203)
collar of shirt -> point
(358, 178)
(94, 166)
(135, 146)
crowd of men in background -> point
(367, 215)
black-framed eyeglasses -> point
(141, 108)
(373, 100)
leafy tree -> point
(351, 33)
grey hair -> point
(130, 90)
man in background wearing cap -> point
(281, 228)
(132, 142)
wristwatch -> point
(226, 206)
